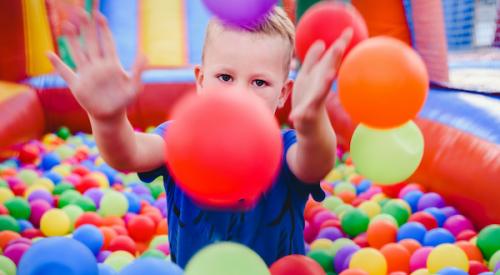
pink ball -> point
(310, 232)
(370, 193)
(16, 251)
(457, 223)
(408, 188)
(419, 258)
(38, 208)
(321, 217)
(74, 179)
(165, 248)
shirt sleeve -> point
(303, 188)
(150, 176)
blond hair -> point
(276, 22)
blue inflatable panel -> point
(197, 17)
(123, 17)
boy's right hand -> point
(100, 84)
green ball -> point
(344, 187)
(8, 223)
(495, 258)
(387, 156)
(323, 258)
(18, 208)
(64, 133)
(64, 151)
(86, 204)
(156, 190)
(341, 209)
(28, 176)
(385, 217)
(161, 239)
(488, 240)
(355, 222)
(7, 266)
(62, 187)
(68, 197)
(119, 259)
(153, 253)
(3, 183)
(73, 212)
(338, 244)
(398, 211)
(113, 204)
(226, 258)
(383, 202)
(331, 203)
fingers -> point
(108, 44)
(313, 55)
(139, 66)
(74, 45)
(66, 73)
(330, 62)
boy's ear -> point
(198, 74)
(285, 93)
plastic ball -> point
(438, 236)
(418, 259)
(447, 255)
(323, 258)
(73, 212)
(355, 222)
(86, 204)
(321, 244)
(113, 204)
(90, 236)
(16, 251)
(430, 200)
(488, 240)
(369, 260)
(476, 267)
(411, 245)
(449, 211)
(41, 195)
(354, 271)
(330, 233)
(119, 259)
(321, 217)
(339, 244)
(8, 223)
(326, 22)
(87, 182)
(68, 197)
(7, 266)
(343, 256)
(386, 217)
(28, 176)
(24, 224)
(397, 257)
(371, 208)
(55, 222)
(58, 255)
(62, 187)
(412, 230)
(151, 266)
(472, 251)
(141, 228)
(134, 205)
(344, 187)
(105, 269)
(239, 12)
(466, 235)
(153, 253)
(398, 211)
(29, 153)
(49, 160)
(438, 215)
(124, 243)
(379, 90)
(381, 232)
(452, 271)
(412, 199)
(296, 264)
(494, 260)
(226, 258)
(5, 195)
(426, 219)
(18, 208)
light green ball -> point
(331, 203)
(7, 266)
(64, 151)
(27, 176)
(494, 259)
(341, 209)
(338, 244)
(119, 259)
(153, 253)
(73, 212)
(344, 187)
(386, 217)
(161, 239)
(113, 204)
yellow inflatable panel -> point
(162, 31)
(37, 36)
(8, 90)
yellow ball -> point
(321, 244)
(369, 260)
(101, 179)
(45, 182)
(421, 271)
(334, 175)
(5, 194)
(99, 161)
(55, 222)
(447, 255)
(35, 187)
(378, 197)
(371, 208)
(63, 170)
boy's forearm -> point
(316, 145)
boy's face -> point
(241, 61)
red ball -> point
(124, 243)
(425, 219)
(86, 183)
(224, 148)
(89, 218)
(29, 153)
(141, 228)
(81, 170)
(31, 233)
(3, 210)
(120, 229)
(326, 21)
(466, 235)
(361, 240)
(397, 257)
(18, 189)
(476, 267)
(297, 265)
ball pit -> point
(120, 222)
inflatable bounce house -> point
(457, 39)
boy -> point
(254, 60)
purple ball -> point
(342, 255)
(41, 195)
(140, 189)
(242, 13)
(21, 240)
(430, 200)
(449, 211)
(457, 223)
(419, 258)
(38, 208)
(330, 233)
(321, 217)
(101, 257)
(95, 194)
(16, 251)
(161, 204)
(497, 267)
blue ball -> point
(53, 176)
(49, 160)
(147, 198)
(363, 186)
(438, 215)
(412, 230)
(24, 224)
(438, 236)
(487, 273)
(105, 269)
(108, 171)
(58, 255)
(90, 236)
(452, 271)
(412, 199)
(89, 164)
(134, 202)
(151, 266)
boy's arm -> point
(104, 90)
(313, 156)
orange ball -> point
(472, 251)
(347, 197)
(410, 244)
(7, 236)
(120, 230)
(383, 83)
(162, 228)
(109, 234)
(397, 257)
(112, 220)
(380, 233)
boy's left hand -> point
(314, 80)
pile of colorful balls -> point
(60, 203)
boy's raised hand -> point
(314, 80)
(100, 84)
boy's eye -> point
(225, 77)
(259, 83)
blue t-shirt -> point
(273, 228)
